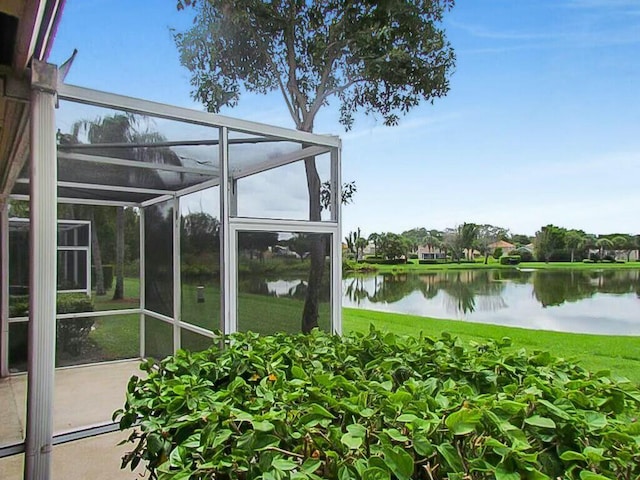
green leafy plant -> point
(378, 406)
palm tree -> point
(469, 233)
(575, 241)
(120, 128)
(375, 238)
(604, 244)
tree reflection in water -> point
(466, 291)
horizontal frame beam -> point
(174, 143)
(289, 226)
(83, 157)
(82, 201)
(186, 115)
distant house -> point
(370, 249)
(506, 247)
(429, 252)
(528, 247)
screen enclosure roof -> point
(114, 149)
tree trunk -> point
(486, 258)
(97, 257)
(118, 291)
(317, 250)
(572, 255)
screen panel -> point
(275, 271)
(158, 286)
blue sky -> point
(541, 125)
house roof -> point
(502, 244)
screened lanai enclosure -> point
(136, 229)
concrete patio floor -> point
(84, 396)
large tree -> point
(378, 57)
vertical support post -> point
(42, 259)
(143, 285)
(88, 256)
(227, 299)
(177, 303)
(336, 250)
(4, 290)
(233, 209)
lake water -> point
(584, 301)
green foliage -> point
(378, 57)
(378, 406)
(393, 246)
(510, 260)
(107, 271)
(497, 253)
(72, 334)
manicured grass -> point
(619, 354)
(416, 267)
(118, 337)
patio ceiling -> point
(27, 28)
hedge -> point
(378, 406)
(510, 260)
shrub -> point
(497, 253)
(384, 261)
(525, 255)
(510, 260)
(429, 261)
(413, 256)
(72, 334)
(378, 406)
(588, 260)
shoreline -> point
(367, 268)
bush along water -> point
(377, 407)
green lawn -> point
(619, 354)
(118, 337)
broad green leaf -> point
(450, 456)
(298, 372)
(595, 420)
(320, 410)
(352, 442)
(422, 445)
(407, 418)
(587, 475)
(555, 410)
(283, 464)
(570, 455)
(310, 465)
(538, 421)
(594, 455)
(262, 426)
(376, 473)
(395, 434)
(357, 430)
(399, 462)
(464, 421)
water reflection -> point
(594, 301)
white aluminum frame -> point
(43, 185)
(237, 225)
(81, 248)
